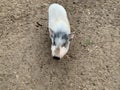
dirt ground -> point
(92, 63)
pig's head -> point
(60, 43)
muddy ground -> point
(92, 63)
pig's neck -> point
(62, 27)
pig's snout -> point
(56, 57)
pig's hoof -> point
(56, 58)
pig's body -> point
(58, 20)
(59, 29)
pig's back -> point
(58, 18)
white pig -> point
(59, 29)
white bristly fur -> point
(58, 19)
(58, 22)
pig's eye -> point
(54, 43)
(64, 45)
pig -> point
(59, 30)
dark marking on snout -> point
(56, 58)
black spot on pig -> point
(63, 37)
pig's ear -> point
(51, 32)
(71, 36)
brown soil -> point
(92, 63)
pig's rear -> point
(58, 17)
